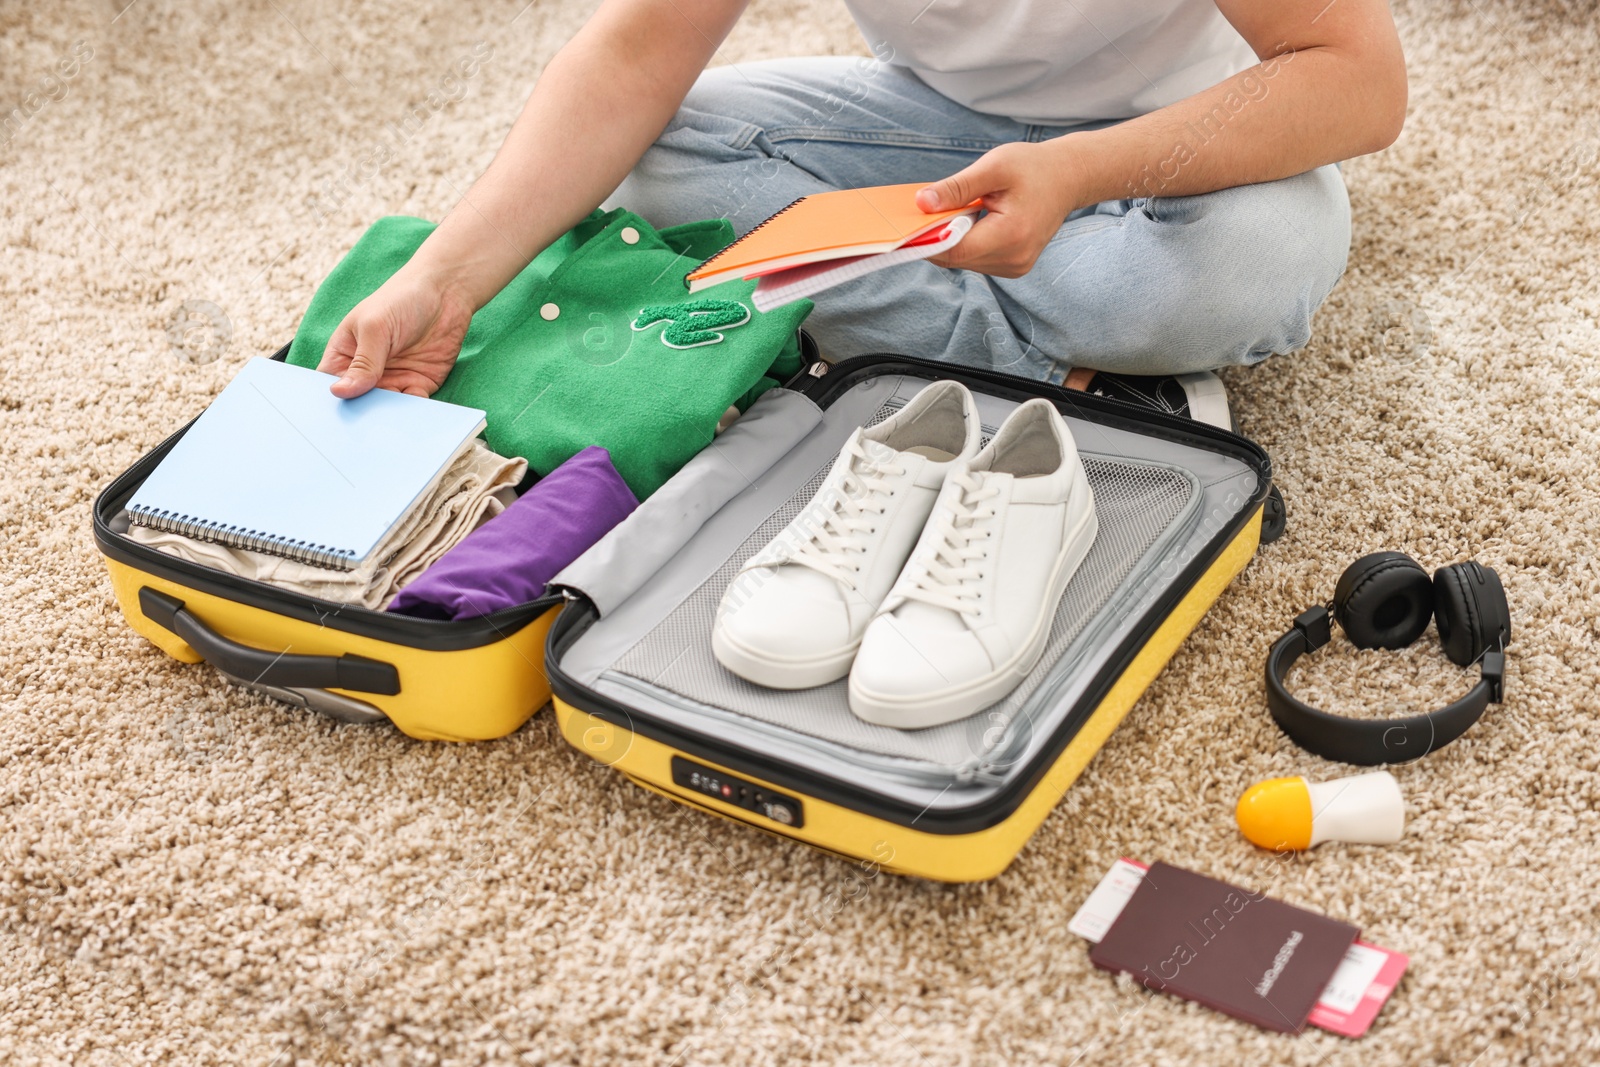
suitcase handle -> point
(357, 674)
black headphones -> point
(1385, 601)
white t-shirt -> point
(1057, 61)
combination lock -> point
(779, 807)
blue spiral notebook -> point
(279, 464)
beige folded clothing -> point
(476, 486)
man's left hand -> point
(1027, 192)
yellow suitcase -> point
(449, 681)
(1181, 508)
(623, 635)
(471, 680)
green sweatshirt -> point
(596, 342)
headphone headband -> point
(1369, 742)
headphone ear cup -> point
(1383, 600)
(1473, 614)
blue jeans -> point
(1152, 285)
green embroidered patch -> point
(694, 322)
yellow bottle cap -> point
(1276, 814)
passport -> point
(1240, 952)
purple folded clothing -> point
(509, 559)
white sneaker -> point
(794, 614)
(970, 614)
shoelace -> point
(835, 526)
(950, 578)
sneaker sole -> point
(762, 669)
(922, 711)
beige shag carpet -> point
(189, 874)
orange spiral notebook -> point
(826, 238)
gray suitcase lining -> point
(1159, 503)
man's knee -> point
(1251, 265)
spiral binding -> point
(736, 243)
(238, 537)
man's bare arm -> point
(1331, 85)
(601, 101)
(598, 105)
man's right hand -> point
(586, 124)
(404, 337)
